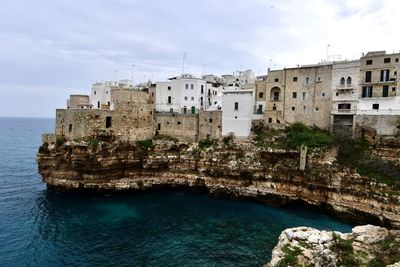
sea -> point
(42, 227)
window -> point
(276, 96)
(192, 98)
(152, 94)
(293, 108)
(269, 120)
(202, 89)
(210, 120)
(107, 92)
(186, 86)
(169, 99)
(108, 121)
(94, 92)
(276, 80)
(348, 80)
(385, 91)
(179, 123)
(192, 86)
(169, 88)
(304, 109)
(70, 128)
(316, 108)
(303, 96)
(294, 79)
(108, 103)
(369, 62)
(342, 81)
(319, 79)
(367, 91)
(260, 109)
(186, 98)
(375, 106)
(260, 95)
(385, 75)
(393, 89)
(294, 95)
(397, 59)
(308, 80)
(235, 117)
(368, 75)
(386, 60)
(345, 106)
(274, 107)
(98, 104)
(323, 94)
(236, 105)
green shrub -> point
(93, 143)
(145, 144)
(206, 143)
(344, 249)
(59, 142)
(298, 134)
(291, 254)
(227, 139)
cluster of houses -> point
(337, 96)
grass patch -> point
(93, 143)
(386, 252)
(298, 134)
(267, 137)
(356, 154)
(206, 143)
(145, 144)
(344, 249)
(290, 255)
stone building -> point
(301, 94)
(78, 102)
(345, 93)
(379, 102)
(261, 89)
(131, 119)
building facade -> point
(237, 112)
(345, 94)
(184, 94)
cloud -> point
(67, 45)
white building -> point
(184, 94)
(345, 94)
(100, 97)
(237, 112)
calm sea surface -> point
(39, 227)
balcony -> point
(344, 87)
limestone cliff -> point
(224, 167)
(365, 246)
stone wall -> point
(382, 124)
(181, 126)
(210, 124)
(80, 123)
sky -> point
(50, 49)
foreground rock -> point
(365, 246)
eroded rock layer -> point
(236, 169)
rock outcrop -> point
(365, 246)
(236, 169)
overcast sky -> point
(50, 49)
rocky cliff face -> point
(365, 246)
(236, 169)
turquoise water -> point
(40, 227)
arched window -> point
(275, 94)
(349, 80)
(342, 81)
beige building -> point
(78, 102)
(300, 94)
